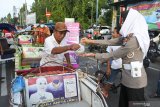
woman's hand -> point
(74, 47)
(85, 40)
(88, 55)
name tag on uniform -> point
(136, 67)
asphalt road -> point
(88, 65)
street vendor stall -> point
(28, 52)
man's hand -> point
(70, 68)
(85, 40)
(74, 47)
(87, 55)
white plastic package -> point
(80, 50)
(136, 69)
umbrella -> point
(7, 26)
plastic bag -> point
(81, 49)
(18, 84)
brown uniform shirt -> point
(132, 45)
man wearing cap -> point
(55, 47)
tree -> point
(9, 18)
(78, 9)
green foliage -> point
(81, 10)
(9, 18)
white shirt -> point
(117, 63)
(40, 97)
(49, 44)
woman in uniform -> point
(134, 46)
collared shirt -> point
(47, 56)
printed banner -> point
(52, 90)
(73, 37)
(31, 18)
(25, 39)
(32, 52)
(73, 34)
(151, 12)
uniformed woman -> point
(134, 46)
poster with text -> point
(73, 37)
(51, 90)
(73, 34)
(32, 52)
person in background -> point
(42, 32)
(113, 66)
(56, 48)
(132, 51)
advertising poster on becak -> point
(73, 37)
(32, 52)
(151, 12)
(51, 90)
(73, 34)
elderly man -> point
(55, 47)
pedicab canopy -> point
(8, 27)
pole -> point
(92, 14)
(25, 12)
(46, 13)
(47, 19)
(97, 13)
(20, 19)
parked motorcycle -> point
(153, 51)
(146, 62)
(96, 36)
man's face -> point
(59, 35)
(42, 85)
(41, 24)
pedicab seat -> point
(5, 50)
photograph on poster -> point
(41, 95)
(51, 90)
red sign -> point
(48, 14)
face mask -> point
(42, 25)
